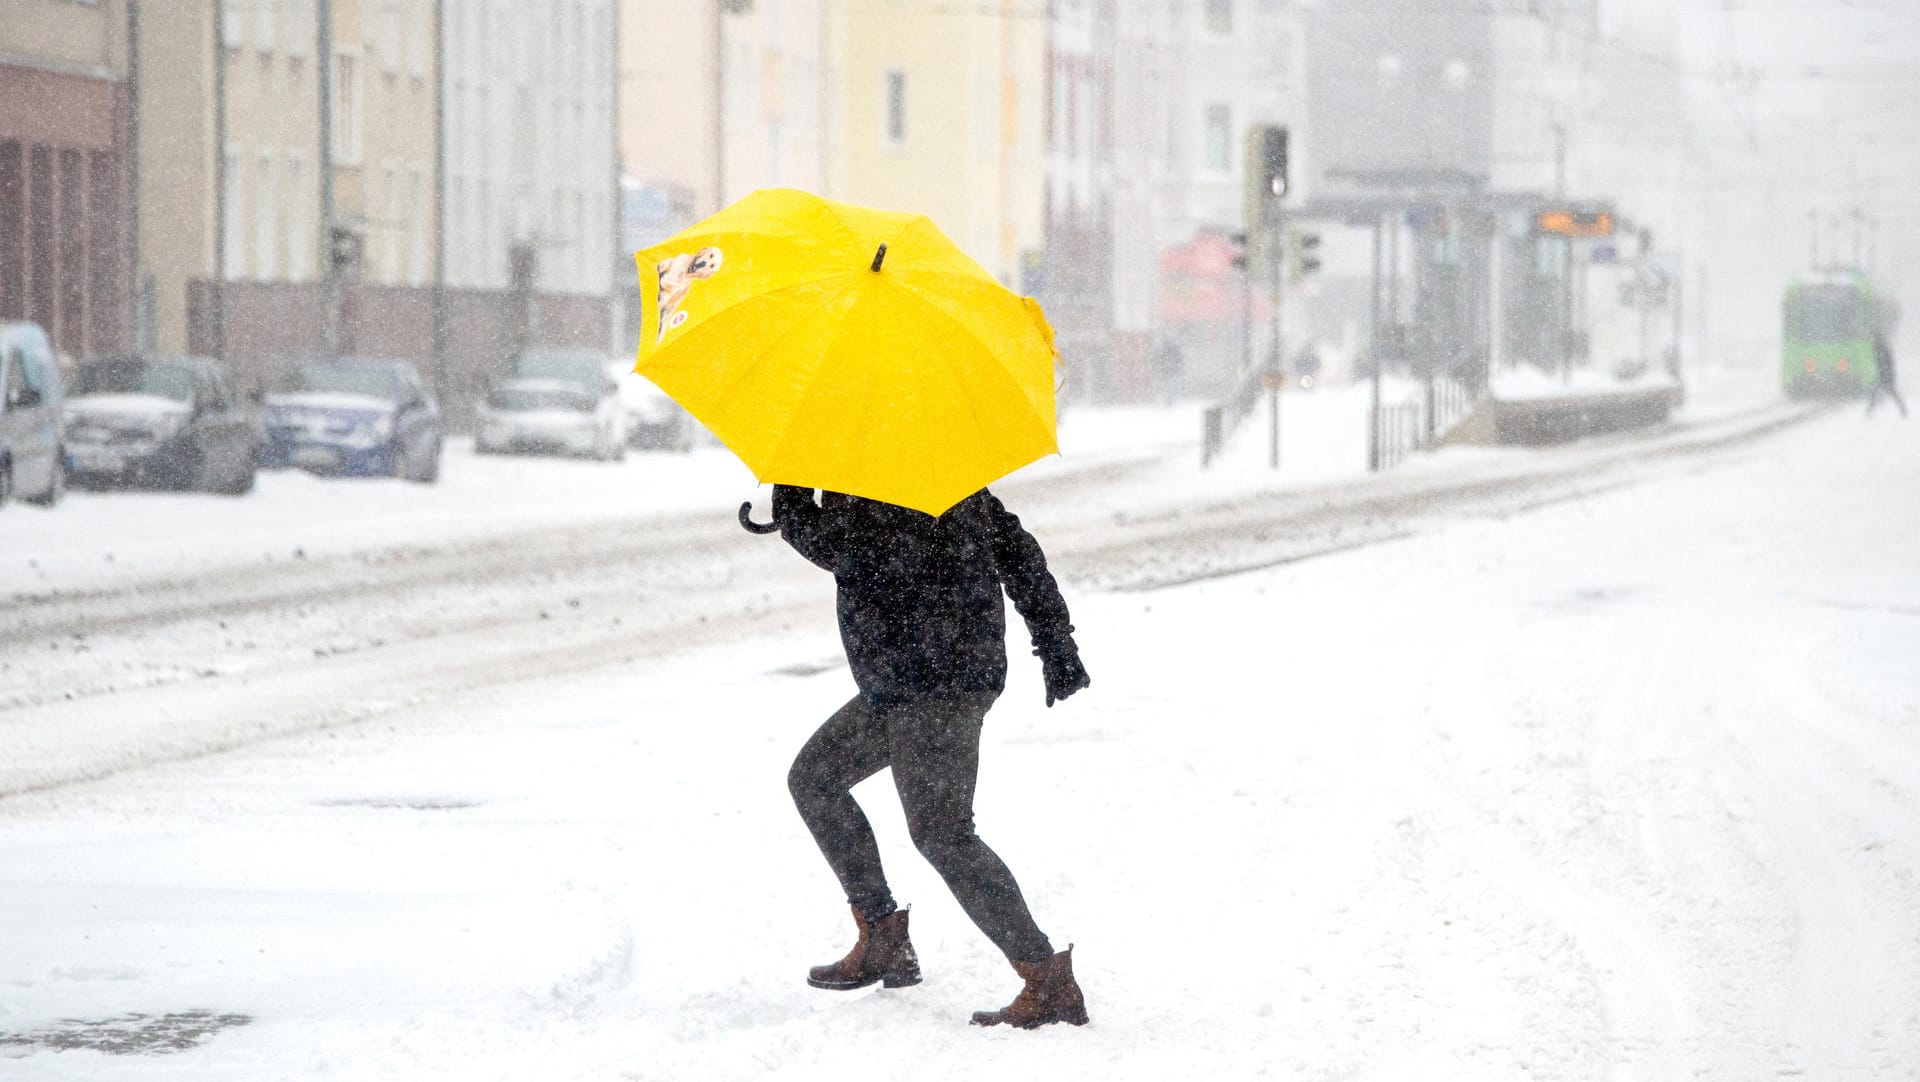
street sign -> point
(1574, 223)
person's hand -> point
(1064, 675)
(791, 502)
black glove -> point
(1064, 674)
(791, 503)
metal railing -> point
(1421, 424)
(1453, 402)
(1400, 433)
(1218, 421)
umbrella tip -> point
(877, 257)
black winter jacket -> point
(920, 603)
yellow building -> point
(939, 110)
(918, 105)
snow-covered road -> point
(1591, 764)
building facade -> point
(716, 100)
(530, 138)
(940, 110)
(1229, 65)
(1073, 276)
(66, 141)
(440, 189)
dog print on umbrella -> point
(677, 276)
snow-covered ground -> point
(1613, 773)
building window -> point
(417, 226)
(1220, 16)
(456, 223)
(299, 26)
(392, 227)
(233, 15)
(577, 237)
(299, 226)
(481, 270)
(1073, 116)
(392, 31)
(233, 227)
(419, 38)
(267, 224)
(894, 132)
(1219, 139)
(264, 24)
(349, 97)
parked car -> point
(355, 417)
(31, 464)
(554, 400)
(171, 421)
(654, 421)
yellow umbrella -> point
(839, 347)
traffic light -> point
(344, 249)
(1303, 251)
(1265, 167)
(1267, 160)
(1239, 242)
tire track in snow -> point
(478, 615)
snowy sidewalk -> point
(1620, 788)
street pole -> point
(440, 385)
(1679, 311)
(1373, 347)
(1276, 256)
(719, 104)
(1496, 305)
(130, 311)
(1246, 307)
(323, 67)
(1566, 310)
(220, 181)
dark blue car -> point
(354, 417)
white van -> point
(32, 465)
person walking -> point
(1883, 375)
(922, 617)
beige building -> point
(941, 109)
(65, 169)
(229, 124)
(908, 104)
(383, 135)
(752, 110)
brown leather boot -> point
(1051, 995)
(883, 953)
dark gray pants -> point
(934, 750)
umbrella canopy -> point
(839, 347)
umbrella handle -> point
(746, 520)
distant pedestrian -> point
(1169, 365)
(1883, 375)
(924, 624)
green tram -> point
(1828, 322)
